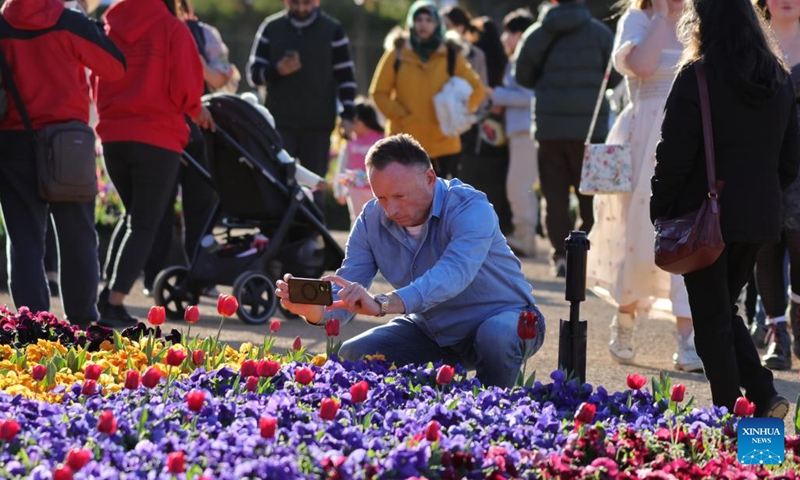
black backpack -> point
(3, 100)
(451, 59)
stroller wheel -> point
(256, 295)
(171, 290)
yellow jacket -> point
(405, 96)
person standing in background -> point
(563, 57)
(302, 57)
(523, 169)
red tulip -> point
(267, 425)
(332, 327)
(107, 423)
(89, 388)
(636, 381)
(678, 391)
(297, 344)
(274, 325)
(192, 314)
(227, 305)
(156, 316)
(132, 379)
(195, 400)
(432, 431)
(8, 430)
(249, 368)
(303, 375)
(252, 384)
(199, 357)
(175, 463)
(445, 375)
(526, 325)
(151, 377)
(328, 409)
(92, 371)
(176, 356)
(743, 407)
(62, 473)
(77, 458)
(268, 368)
(38, 372)
(358, 392)
(585, 413)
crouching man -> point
(459, 289)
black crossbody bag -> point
(64, 152)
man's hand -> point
(353, 297)
(312, 313)
(288, 65)
(204, 120)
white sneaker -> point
(686, 359)
(621, 344)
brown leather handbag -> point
(694, 241)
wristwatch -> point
(383, 302)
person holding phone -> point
(302, 57)
(459, 290)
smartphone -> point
(293, 54)
(310, 291)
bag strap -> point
(451, 60)
(599, 103)
(708, 137)
(9, 80)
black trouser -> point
(197, 199)
(144, 175)
(723, 342)
(50, 249)
(770, 272)
(447, 166)
(26, 216)
(560, 163)
(313, 149)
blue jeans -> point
(494, 350)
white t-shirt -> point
(415, 234)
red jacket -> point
(47, 48)
(164, 80)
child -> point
(351, 184)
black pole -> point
(572, 334)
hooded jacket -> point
(567, 79)
(63, 42)
(404, 95)
(164, 79)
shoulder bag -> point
(694, 241)
(64, 152)
(607, 168)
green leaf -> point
(72, 360)
(529, 382)
(453, 404)
(118, 345)
(367, 420)
(797, 416)
(81, 361)
(51, 373)
(59, 363)
(140, 427)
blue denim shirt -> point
(461, 273)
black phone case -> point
(307, 291)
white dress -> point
(621, 264)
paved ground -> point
(654, 336)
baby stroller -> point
(271, 225)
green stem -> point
(219, 330)
(188, 335)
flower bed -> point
(252, 413)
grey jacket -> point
(516, 100)
(567, 80)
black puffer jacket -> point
(567, 79)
